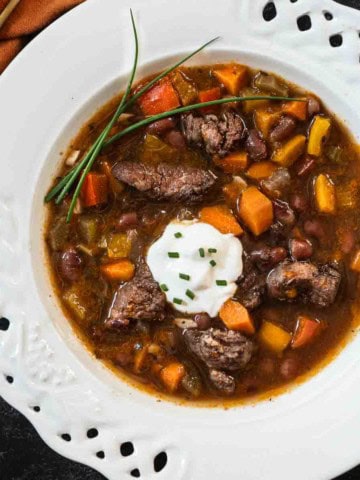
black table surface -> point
(24, 456)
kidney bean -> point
(71, 264)
(202, 320)
(127, 221)
(255, 146)
(304, 166)
(283, 129)
(267, 257)
(314, 228)
(283, 213)
(347, 240)
(313, 106)
(176, 139)
(289, 368)
(300, 249)
(299, 202)
(161, 126)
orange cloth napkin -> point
(28, 18)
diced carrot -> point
(274, 337)
(115, 185)
(296, 109)
(305, 331)
(233, 77)
(95, 189)
(171, 375)
(122, 270)
(319, 132)
(288, 153)
(233, 163)
(140, 359)
(256, 210)
(355, 264)
(233, 190)
(260, 170)
(265, 120)
(208, 96)
(220, 217)
(324, 194)
(236, 317)
(160, 98)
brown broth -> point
(251, 382)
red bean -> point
(161, 126)
(299, 202)
(313, 106)
(314, 228)
(289, 368)
(283, 129)
(266, 257)
(202, 320)
(71, 264)
(127, 221)
(304, 166)
(347, 240)
(277, 255)
(176, 139)
(300, 249)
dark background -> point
(24, 456)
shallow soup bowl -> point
(302, 431)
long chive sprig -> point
(188, 108)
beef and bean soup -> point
(215, 253)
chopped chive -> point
(173, 254)
(212, 263)
(212, 250)
(177, 300)
(202, 252)
(178, 235)
(190, 294)
(164, 287)
(221, 283)
(184, 276)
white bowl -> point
(49, 91)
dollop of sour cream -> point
(196, 266)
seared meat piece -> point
(220, 349)
(165, 181)
(283, 129)
(251, 285)
(219, 135)
(139, 299)
(222, 381)
(304, 281)
(256, 146)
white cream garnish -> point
(196, 266)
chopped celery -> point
(187, 91)
(89, 228)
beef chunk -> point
(222, 381)
(317, 285)
(220, 349)
(165, 181)
(139, 299)
(218, 135)
(251, 290)
(256, 146)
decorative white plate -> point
(312, 432)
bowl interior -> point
(336, 102)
